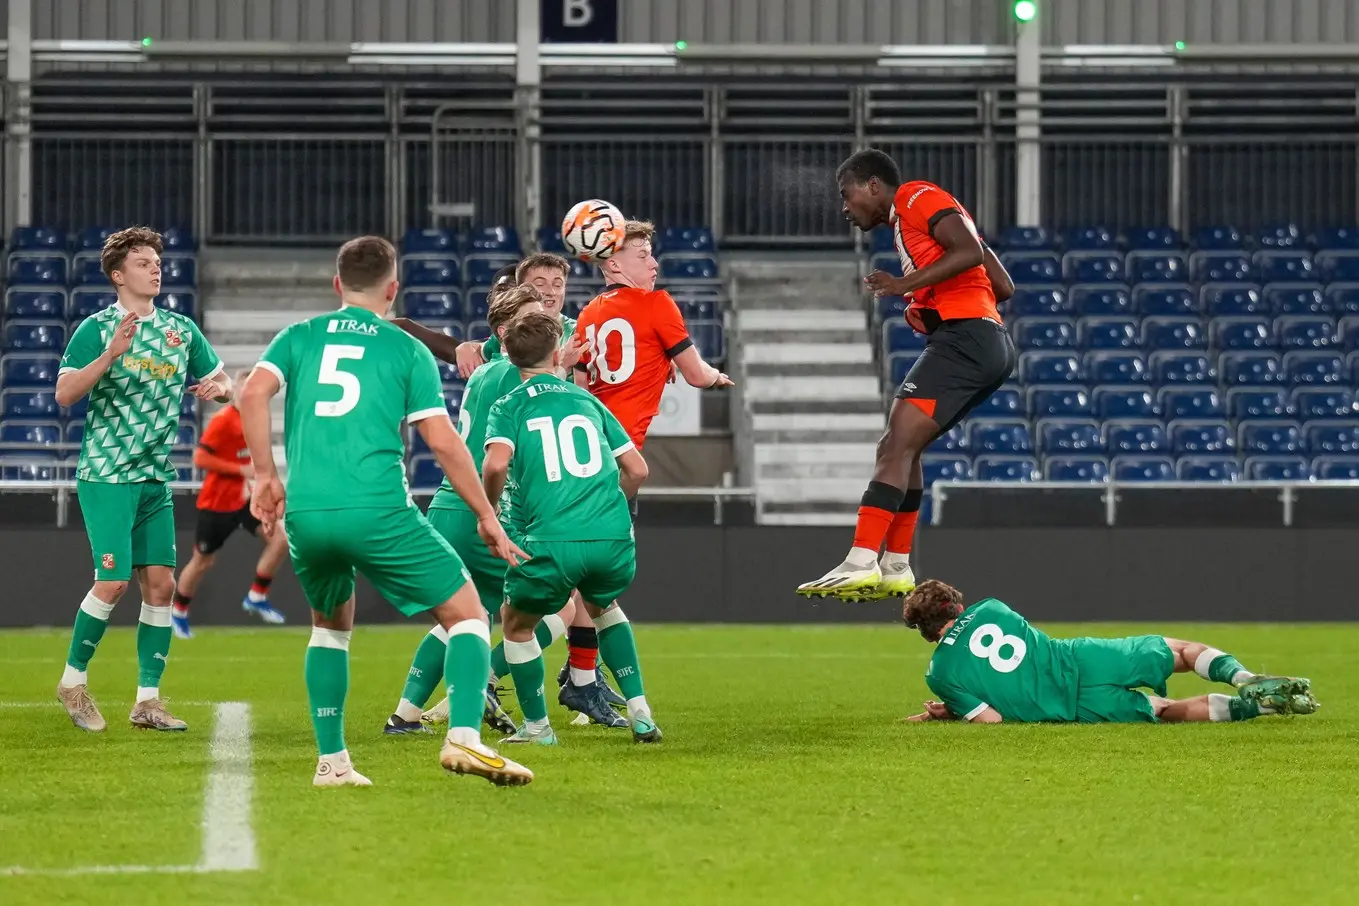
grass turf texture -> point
(786, 775)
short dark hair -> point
(867, 164)
(531, 337)
(541, 259)
(506, 304)
(365, 262)
(930, 607)
(509, 271)
(117, 246)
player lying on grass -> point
(571, 468)
(352, 380)
(992, 666)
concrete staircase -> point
(811, 391)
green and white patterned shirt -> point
(134, 406)
(490, 350)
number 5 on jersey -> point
(598, 343)
(330, 373)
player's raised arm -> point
(674, 337)
(84, 362)
(1001, 283)
(962, 250)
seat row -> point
(80, 303)
(38, 269)
(1137, 468)
(1116, 401)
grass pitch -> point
(786, 776)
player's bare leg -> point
(1276, 692)
(256, 600)
(466, 666)
(581, 686)
(92, 619)
(185, 589)
(1220, 708)
(525, 657)
(618, 647)
(327, 675)
(157, 584)
(887, 509)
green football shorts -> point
(458, 526)
(130, 524)
(600, 570)
(407, 561)
(1112, 670)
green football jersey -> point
(563, 470)
(486, 385)
(491, 350)
(133, 415)
(350, 378)
(992, 656)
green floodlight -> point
(1025, 10)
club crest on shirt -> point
(173, 337)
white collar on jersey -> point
(118, 307)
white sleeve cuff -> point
(500, 440)
(623, 449)
(66, 370)
(274, 370)
(220, 369)
(423, 414)
(975, 711)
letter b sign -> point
(580, 21)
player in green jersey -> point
(570, 468)
(547, 273)
(132, 359)
(992, 666)
(352, 379)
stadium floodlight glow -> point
(681, 46)
(146, 42)
(1025, 10)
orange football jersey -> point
(224, 438)
(916, 210)
(629, 336)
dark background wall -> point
(746, 574)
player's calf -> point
(618, 648)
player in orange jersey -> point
(224, 506)
(953, 282)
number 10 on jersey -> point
(597, 341)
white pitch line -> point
(19, 871)
(228, 834)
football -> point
(593, 230)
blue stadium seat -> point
(582, 271)
(1219, 267)
(700, 239)
(898, 336)
(699, 309)
(480, 269)
(1119, 332)
(1050, 368)
(39, 304)
(430, 242)
(492, 239)
(1278, 468)
(1069, 435)
(1324, 402)
(1241, 333)
(480, 332)
(1157, 267)
(45, 270)
(1133, 437)
(425, 472)
(1089, 238)
(1143, 468)
(188, 407)
(28, 434)
(1233, 299)
(887, 262)
(1165, 299)
(180, 301)
(29, 404)
(899, 364)
(1338, 267)
(178, 270)
(550, 240)
(1093, 267)
(1284, 267)
(1259, 403)
(1216, 238)
(89, 271)
(1270, 438)
(1004, 403)
(1190, 402)
(1045, 333)
(1182, 368)
(945, 468)
(1343, 298)
(1306, 332)
(186, 437)
(1124, 402)
(954, 440)
(1093, 469)
(1025, 238)
(1296, 299)
(1094, 301)
(177, 240)
(1160, 332)
(574, 305)
(86, 301)
(28, 370)
(1154, 238)
(78, 408)
(26, 469)
(1245, 369)
(710, 340)
(1208, 468)
(1059, 401)
(1006, 468)
(479, 303)
(999, 436)
(1336, 239)
(883, 240)
(1038, 300)
(891, 307)
(703, 268)
(1314, 368)
(445, 305)
(1279, 236)
(1336, 468)
(1116, 367)
(34, 336)
(440, 272)
(37, 239)
(1040, 268)
(1195, 437)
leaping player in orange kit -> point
(953, 282)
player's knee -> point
(204, 560)
(110, 592)
(605, 618)
(159, 586)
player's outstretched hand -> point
(267, 503)
(721, 381)
(493, 533)
(469, 359)
(571, 353)
(209, 389)
(123, 334)
(881, 283)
